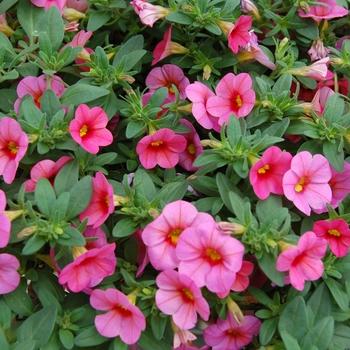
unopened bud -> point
(211, 143)
(28, 231)
(231, 228)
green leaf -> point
(45, 46)
(320, 302)
(132, 59)
(82, 93)
(307, 27)
(226, 186)
(45, 196)
(144, 185)
(6, 316)
(33, 115)
(39, 326)
(26, 345)
(124, 227)
(148, 341)
(75, 237)
(80, 196)
(133, 44)
(66, 338)
(50, 104)
(293, 319)
(267, 263)
(158, 324)
(289, 342)
(320, 335)
(213, 28)
(67, 177)
(341, 336)
(334, 108)
(4, 344)
(261, 296)
(98, 18)
(267, 330)
(134, 128)
(118, 344)
(89, 337)
(19, 300)
(283, 83)
(34, 244)
(181, 18)
(53, 343)
(335, 158)
(339, 294)
(6, 4)
(172, 192)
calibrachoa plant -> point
(174, 174)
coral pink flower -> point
(266, 174)
(252, 51)
(317, 50)
(234, 96)
(9, 277)
(303, 261)
(329, 10)
(209, 257)
(101, 204)
(306, 183)
(241, 282)
(166, 76)
(48, 3)
(198, 94)
(227, 334)
(162, 235)
(88, 128)
(89, 268)
(122, 319)
(45, 168)
(5, 227)
(80, 39)
(36, 86)
(318, 102)
(13, 147)
(142, 252)
(180, 297)
(317, 70)
(340, 184)
(74, 10)
(162, 148)
(149, 13)
(193, 148)
(167, 47)
(336, 232)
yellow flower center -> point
(13, 147)
(83, 131)
(107, 200)
(299, 186)
(263, 169)
(239, 101)
(213, 255)
(334, 232)
(187, 294)
(156, 143)
(174, 235)
(191, 148)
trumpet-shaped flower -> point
(329, 10)
(122, 318)
(234, 95)
(266, 174)
(80, 39)
(317, 70)
(88, 128)
(162, 148)
(46, 168)
(4, 27)
(227, 334)
(209, 257)
(193, 147)
(306, 183)
(166, 47)
(336, 232)
(36, 86)
(318, 50)
(48, 3)
(149, 13)
(162, 235)
(180, 297)
(9, 277)
(304, 260)
(89, 268)
(101, 204)
(5, 227)
(198, 94)
(13, 147)
(166, 76)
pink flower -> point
(193, 147)
(239, 34)
(209, 257)
(80, 39)
(317, 50)
(181, 336)
(167, 47)
(166, 76)
(241, 282)
(252, 51)
(142, 252)
(13, 147)
(74, 10)
(36, 86)
(180, 297)
(88, 128)
(122, 318)
(191, 346)
(47, 169)
(328, 11)
(149, 13)
(318, 102)
(227, 334)
(234, 96)
(5, 228)
(101, 204)
(340, 184)
(303, 261)
(9, 277)
(267, 173)
(318, 70)
(4, 27)
(306, 183)
(336, 232)
(89, 268)
(162, 148)
(162, 235)
(48, 3)
(198, 93)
